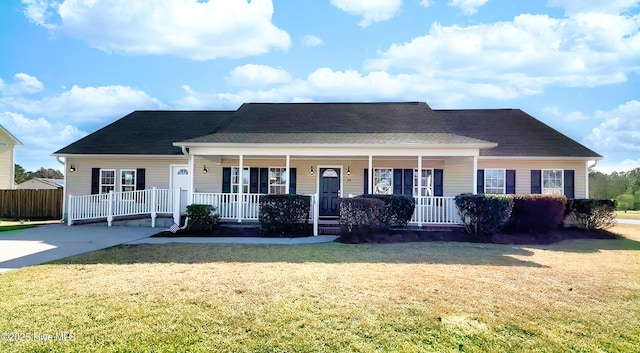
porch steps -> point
(328, 227)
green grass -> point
(16, 227)
(576, 296)
(628, 215)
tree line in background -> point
(22, 175)
(624, 187)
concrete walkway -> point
(627, 221)
(32, 246)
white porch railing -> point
(126, 203)
(226, 205)
(435, 210)
(429, 210)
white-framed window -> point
(553, 181)
(107, 180)
(277, 180)
(127, 180)
(383, 181)
(427, 183)
(235, 180)
(495, 181)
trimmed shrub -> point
(592, 213)
(360, 219)
(535, 213)
(398, 209)
(201, 217)
(284, 215)
(482, 214)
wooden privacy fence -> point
(31, 204)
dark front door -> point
(329, 191)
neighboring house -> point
(41, 183)
(329, 150)
(7, 159)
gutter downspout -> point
(64, 187)
(586, 175)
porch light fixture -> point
(72, 168)
(311, 172)
(205, 170)
(348, 170)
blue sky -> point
(70, 67)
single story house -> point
(327, 150)
(41, 184)
(7, 158)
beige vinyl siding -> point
(7, 145)
(458, 176)
(523, 170)
(6, 166)
(157, 171)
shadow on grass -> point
(331, 253)
(592, 245)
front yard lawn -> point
(578, 295)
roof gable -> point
(10, 136)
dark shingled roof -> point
(149, 133)
(517, 133)
(153, 132)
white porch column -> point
(370, 176)
(192, 168)
(240, 187)
(287, 181)
(475, 175)
(420, 198)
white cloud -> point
(620, 130)
(426, 3)
(188, 28)
(526, 55)
(310, 40)
(257, 75)
(601, 6)
(325, 84)
(24, 84)
(370, 10)
(40, 137)
(469, 7)
(85, 104)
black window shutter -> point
(264, 180)
(511, 181)
(438, 182)
(569, 183)
(95, 181)
(366, 181)
(408, 182)
(480, 181)
(536, 180)
(397, 181)
(140, 179)
(226, 180)
(292, 181)
(254, 174)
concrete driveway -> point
(32, 246)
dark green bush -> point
(483, 214)
(360, 218)
(398, 209)
(284, 215)
(201, 217)
(535, 213)
(591, 213)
